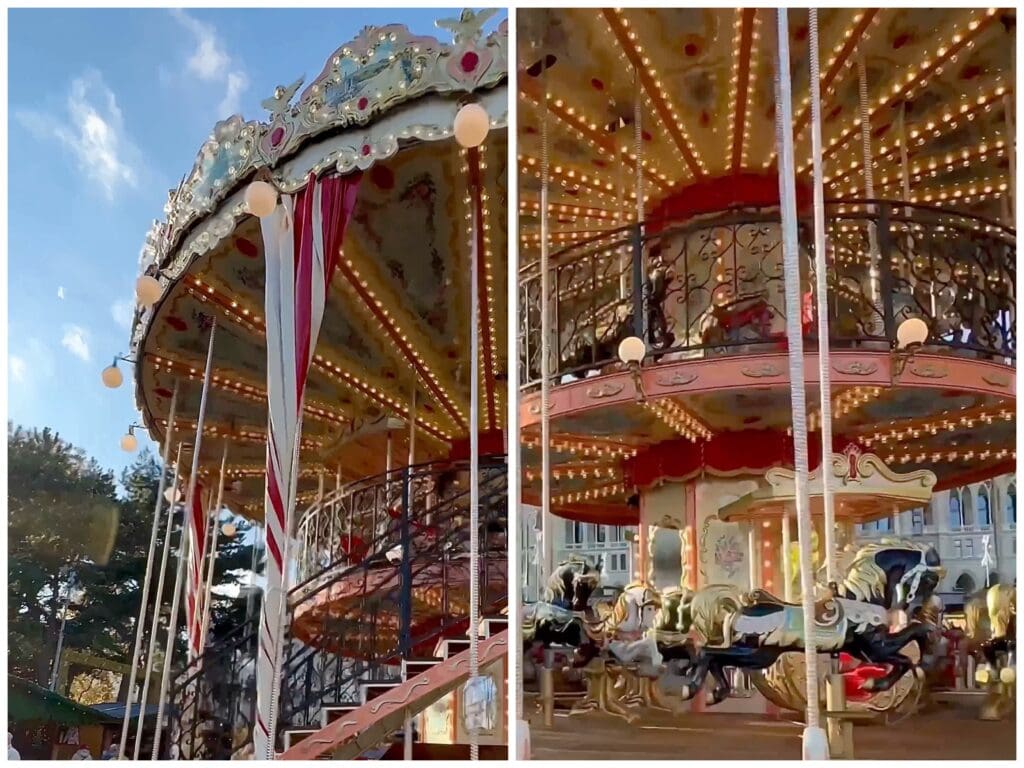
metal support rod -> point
(208, 592)
(60, 634)
(546, 522)
(172, 626)
(474, 459)
(140, 623)
(407, 729)
(1011, 153)
(154, 630)
(405, 623)
(787, 564)
(869, 173)
(814, 736)
(821, 289)
(639, 303)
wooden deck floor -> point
(950, 733)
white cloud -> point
(17, 367)
(76, 341)
(123, 311)
(93, 130)
(60, 292)
(211, 62)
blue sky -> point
(107, 109)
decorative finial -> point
(468, 27)
(278, 105)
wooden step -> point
(451, 646)
(492, 625)
(413, 667)
(293, 736)
(370, 691)
(330, 713)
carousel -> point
(766, 293)
(320, 344)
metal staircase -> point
(382, 596)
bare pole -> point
(546, 524)
(815, 745)
(172, 627)
(141, 621)
(821, 289)
(154, 630)
(207, 592)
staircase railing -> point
(381, 572)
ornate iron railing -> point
(361, 603)
(714, 285)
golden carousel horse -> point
(991, 617)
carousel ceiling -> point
(937, 82)
(395, 339)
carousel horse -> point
(561, 617)
(751, 630)
(991, 617)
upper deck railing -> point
(714, 285)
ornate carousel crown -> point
(356, 94)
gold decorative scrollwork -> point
(996, 379)
(762, 371)
(676, 379)
(856, 368)
(605, 390)
(929, 371)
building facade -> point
(963, 523)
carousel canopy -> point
(686, 97)
(395, 335)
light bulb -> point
(260, 198)
(229, 530)
(112, 376)
(632, 349)
(912, 331)
(471, 126)
(129, 442)
(147, 290)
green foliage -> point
(72, 535)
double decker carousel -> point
(654, 357)
(376, 539)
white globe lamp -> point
(471, 125)
(172, 495)
(632, 350)
(260, 199)
(129, 442)
(112, 376)
(147, 290)
(912, 331)
(229, 530)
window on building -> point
(957, 549)
(884, 525)
(965, 583)
(578, 532)
(1010, 505)
(984, 511)
(602, 534)
(956, 511)
(917, 521)
(969, 548)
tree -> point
(70, 537)
(62, 515)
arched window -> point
(965, 583)
(956, 512)
(984, 511)
(1010, 505)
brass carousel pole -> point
(407, 554)
(821, 289)
(869, 177)
(140, 623)
(155, 626)
(815, 745)
(172, 627)
(546, 525)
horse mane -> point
(707, 605)
(864, 578)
